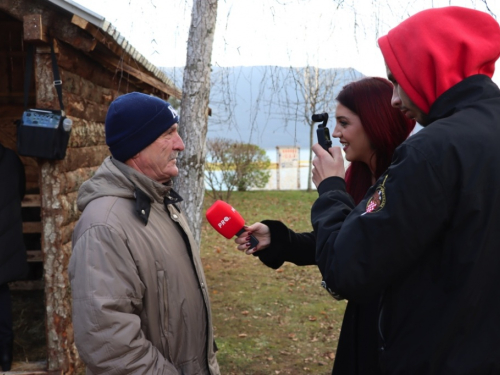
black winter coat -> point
(357, 349)
(13, 263)
(427, 236)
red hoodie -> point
(437, 48)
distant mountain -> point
(263, 105)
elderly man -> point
(430, 241)
(140, 301)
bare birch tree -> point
(318, 93)
(194, 110)
(315, 92)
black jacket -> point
(357, 349)
(431, 243)
(13, 263)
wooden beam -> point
(120, 65)
(26, 285)
(34, 256)
(73, 36)
(34, 29)
(61, 28)
(29, 368)
(31, 200)
(32, 227)
(92, 30)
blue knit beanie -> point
(134, 121)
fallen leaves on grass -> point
(330, 355)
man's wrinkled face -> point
(401, 101)
(158, 161)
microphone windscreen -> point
(225, 219)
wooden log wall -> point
(88, 89)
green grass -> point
(269, 321)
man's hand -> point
(327, 164)
(259, 231)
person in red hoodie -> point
(426, 236)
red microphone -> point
(227, 221)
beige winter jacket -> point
(140, 301)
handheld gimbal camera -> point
(323, 132)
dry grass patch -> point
(269, 321)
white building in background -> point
(290, 168)
(287, 168)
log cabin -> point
(96, 64)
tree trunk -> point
(311, 140)
(194, 111)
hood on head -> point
(105, 182)
(435, 49)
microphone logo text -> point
(224, 221)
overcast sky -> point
(271, 32)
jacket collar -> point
(147, 191)
(462, 95)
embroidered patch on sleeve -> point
(378, 199)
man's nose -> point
(395, 100)
(179, 145)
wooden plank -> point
(26, 285)
(90, 28)
(120, 65)
(80, 22)
(32, 227)
(31, 200)
(34, 256)
(87, 26)
(62, 28)
(34, 29)
(39, 367)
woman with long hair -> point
(369, 129)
